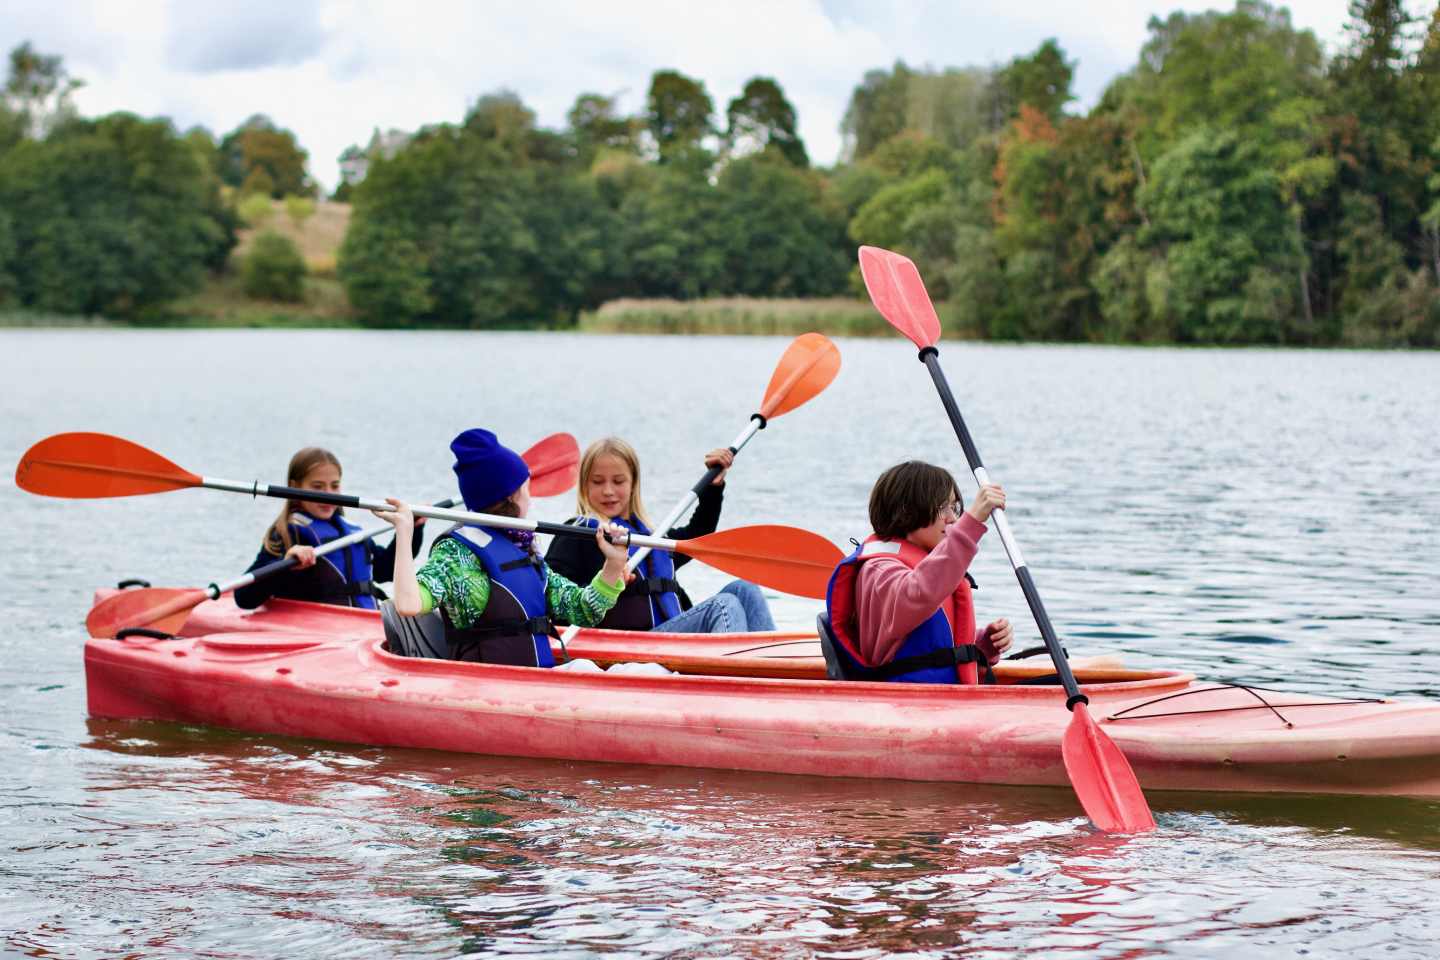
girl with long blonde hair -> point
(609, 492)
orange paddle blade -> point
(159, 608)
(85, 465)
(808, 366)
(787, 559)
(899, 294)
(554, 465)
(1102, 777)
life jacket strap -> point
(656, 585)
(947, 657)
(533, 625)
(520, 562)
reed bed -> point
(737, 315)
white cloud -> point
(332, 70)
(250, 36)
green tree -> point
(1040, 81)
(38, 91)
(7, 260)
(299, 209)
(274, 269)
(596, 126)
(1221, 226)
(902, 217)
(672, 235)
(256, 209)
(259, 157)
(384, 272)
(782, 237)
(877, 110)
(111, 216)
(761, 119)
(451, 230)
(678, 113)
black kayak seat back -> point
(834, 666)
(422, 636)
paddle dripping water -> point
(1103, 780)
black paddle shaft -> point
(348, 500)
(930, 356)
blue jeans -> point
(739, 607)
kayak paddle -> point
(554, 464)
(92, 465)
(167, 608)
(807, 367)
(1102, 777)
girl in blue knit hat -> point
(494, 592)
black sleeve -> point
(382, 559)
(705, 519)
(252, 595)
(577, 559)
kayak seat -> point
(422, 636)
(834, 666)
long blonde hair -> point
(305, 460)
(615, 447)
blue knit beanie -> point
(488, 471)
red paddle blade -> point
(84, 465)
(159, 608)
(899, 294)
(554, 465)
(808, 366)
(1102, 777)
(786, 559)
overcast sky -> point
(332, 70)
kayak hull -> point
(345, 686)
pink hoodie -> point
(891, 599)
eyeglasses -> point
(955, 508)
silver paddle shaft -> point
(693, 495)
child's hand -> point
(616, 554)
(400, 518)
(619, 549)
(991, 497)
(719, 457)
(1001, 635)
(303, 556)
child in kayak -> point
(346, 577)
(495, 595)
(899, 608)
(609, 491)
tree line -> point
(1236, 185)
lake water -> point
(1265, 516)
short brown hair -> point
(909, 496)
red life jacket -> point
(957, 611)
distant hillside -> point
(318, 238)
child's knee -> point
(742, 589)
(729, 613)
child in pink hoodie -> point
(900, 606)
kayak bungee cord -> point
(1262, 705)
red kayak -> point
(306, 670)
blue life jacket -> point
(515, 627)
(653, 596)
(344, 575)
(940, 650)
